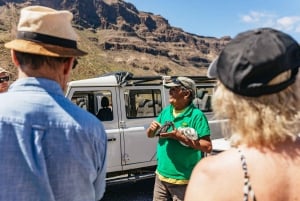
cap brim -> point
(169, 85)
(43, 49)
(212, 69)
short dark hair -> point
(35, 61)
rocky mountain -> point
(120, 37)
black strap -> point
(248, 191)
(42, 38)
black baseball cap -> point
(253, 58)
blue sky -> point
(219, 18)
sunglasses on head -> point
(176, 81)
(4, 79)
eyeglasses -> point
(75, 62)
(4, 79)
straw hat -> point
(46, 31)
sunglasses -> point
(165, 128)
(75, 62)
(176, 81)
(4, 79)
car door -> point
(141, 105)
(89, 98)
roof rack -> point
(127, 78)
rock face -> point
(156, 35)
(125, 29)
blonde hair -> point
(260, 121)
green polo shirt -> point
(173, 159)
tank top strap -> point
(247, 189)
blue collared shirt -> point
(50, 149)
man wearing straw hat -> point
(50, 148)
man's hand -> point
(154, 126)
(204, 144)
(174, 134)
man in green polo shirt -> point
(184, 136)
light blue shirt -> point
(50, 149)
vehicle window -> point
(203, 98)
(143, 103)
(98, 103)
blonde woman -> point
(259, 93)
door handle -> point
(111, 139)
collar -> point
(184, 112)
(36, 84)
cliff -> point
(120, 37)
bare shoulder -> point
(211, 175)
(213, 164)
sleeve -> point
(162, 114)
(201, 125)
(101, 151)
(159, 118)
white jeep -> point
(133, 103)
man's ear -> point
(68, 65)
(187, 93)
(14, 58)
